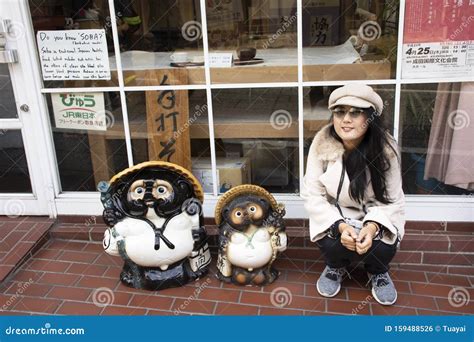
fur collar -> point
(328, 148)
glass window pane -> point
(7, 98)
(160, 42)
(75, 15)
(317, 114)
(13, 165)
(436, 135)
(172, 126)
(349, 40)
(87, 156)
(260, 34)
(256, 132)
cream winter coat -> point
(320, 185)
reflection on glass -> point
(261, 36)
(172, 126)
(436, 137)
(58, 15)
(89, 142)
(317, 114)
(7, 98)
(256, 133)
(344, 40)
(13, 165)
(160, 42)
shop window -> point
(349, 40)
(261, 36)
(256, 138)
(55, 57)
(160, 42)
(436, 130)
(13, 164)
(172, 125)
(88, 138)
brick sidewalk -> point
(67, 277)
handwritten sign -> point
(80, 111)
(73, 55)
(220, 60)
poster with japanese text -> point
(80, 111)
(438, 39)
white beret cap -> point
(356, 95)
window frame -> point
(419, 207)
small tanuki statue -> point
(251, 233)
(154, 213)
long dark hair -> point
(369, 154)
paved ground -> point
(77, 277)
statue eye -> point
(139, 190)
(238, 213)
(253, 209)
(161, 190)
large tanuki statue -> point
(251, 233)
(154, 213)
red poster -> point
(439, 39)
(438, 21)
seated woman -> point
(353, 192)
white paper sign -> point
(220, 60)
(73, 55)
(438, 59)
(80, 111)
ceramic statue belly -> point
(250, 252)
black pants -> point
(376, 260)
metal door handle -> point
(6, 56)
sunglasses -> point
(354, 113)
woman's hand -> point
(364, 240)
(348, 236)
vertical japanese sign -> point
(168, 119)
(79, 111)
(321, 22)
(438, 39)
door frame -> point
(34, 124)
